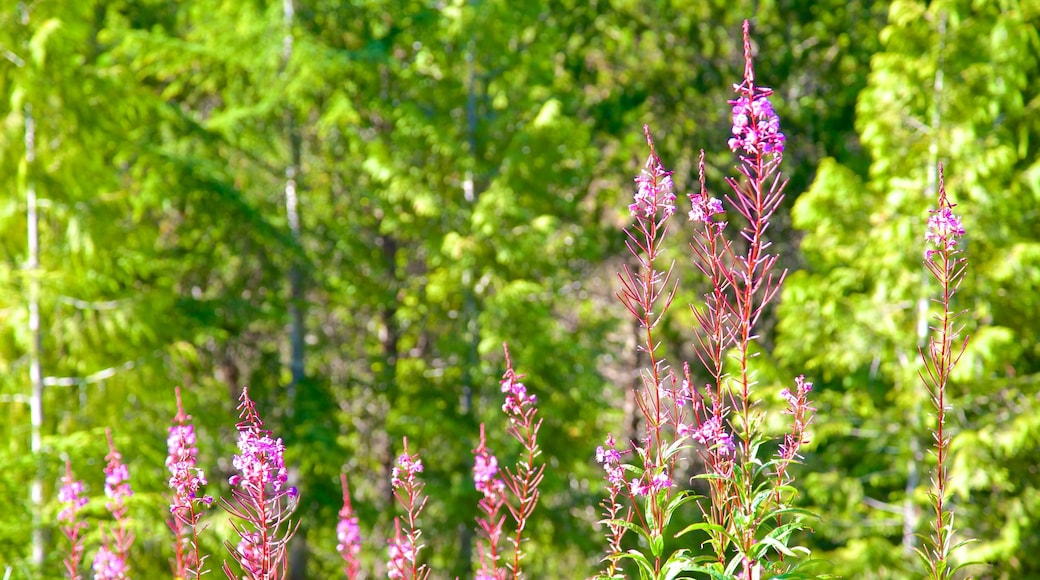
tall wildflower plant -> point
(261, 503)
(947, 266)
(72, 501)
(405, 545)
(522, 480)
(489, 483)
(747, 515)
(348, 534)
(112, 559)
(186, 506)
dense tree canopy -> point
(349, 207)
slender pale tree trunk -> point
(297, 330)
(292, 175)
(32, 267)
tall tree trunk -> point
(298, 552)
(296, 282)
(32, 267)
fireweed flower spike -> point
(947, 267)
(486, 480)
(522, 480)
(801, 416)
(186, 506)
(404, 546)
(615, 516)
(260, 502)
(116, 551)
(348, 534)
(72, 501)
(647, 292)
(108, 565)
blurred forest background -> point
(349, 206)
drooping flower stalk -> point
(348, 534)
(72, 499)
(261, 502)
(186, 507)
(405, 546)
(947, 266)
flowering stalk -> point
(801, 416)
(112, 560)
(405, 546)
(711, 250)
(616, 517)
(489, 524)
(186, 506)
(757, 138)
(647, 294)
(718, 421)
(260, 500)
(348, 535)
(523, 480)
(743, 284)
(947, 266)
(71, 497)
(108, 564)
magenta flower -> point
(404, 546)
(517, 400)
(260, 500)
(798, 407)
(401, 563)
(704, 207)
(108, 565)
(185, 477)
(713, 434)
(944, 227)
(485, 472)
(348, 534)
(654, 189)
(756, 126)
(407, 466)
(489, 523)
(117, 489)
(610, 457)
(70, 495)
(185, 505)
(117, 481)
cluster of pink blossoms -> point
(405, 470)
(517, 400)
(756, 126)
(944, 227)
(261, 460)
(185, 476)
(117, 484)
(108, 565)
(70, 496)
(610, 457)
(402, 556)
(485, 473)
(712, 434)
